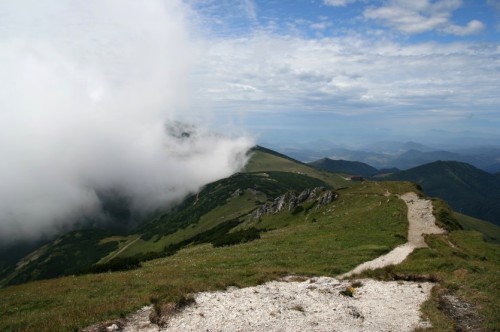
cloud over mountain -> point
(89, 96)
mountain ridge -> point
(345, 166)
(402, 155)
(215, 240)
(466, 188)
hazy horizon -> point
(352, 71)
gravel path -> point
(312, 305)
(315, 304)
(421, 221)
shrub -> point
(237, 237)
(348, 291)
(116, 264)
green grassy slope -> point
(363, 222)
(490, 232)
(359, 225)
(223, 200)
(466, 267)
(267, 175)
(262, 160)
(66, 255)
(216, 203)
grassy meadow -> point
(365, 221)
(360, 225)
(465, 266)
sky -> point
(91, 94)
(350, 71)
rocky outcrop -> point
(291, 200)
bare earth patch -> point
(463, 314)
(313, 305)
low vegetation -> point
(212, 241)
(490, 232)
(116, 264)
(358, 226)
(464, 266)
(242, 236)
(65, 256)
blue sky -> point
(305, 70)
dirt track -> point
(421, 221)
(315, 304)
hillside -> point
(217, 204)
(245, 230)
(490, 232)
(493, 168)
(344, 166)
(66, 255)
(467, 189)
(268, 160)
(354, 226)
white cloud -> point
(413, 17)
(338, 3)
(473, 27)
(348, 75)
(225, 17)
(250, 9)
(86, 91)
(320, 25)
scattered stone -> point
(291, 200)
(374, 308)
(111, 325)
(461, 312)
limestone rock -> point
(292, 199)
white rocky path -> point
(421, 221)
(315, 304)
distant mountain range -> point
(403, 155)
(345, 166)
(466, 188)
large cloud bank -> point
(89, 95)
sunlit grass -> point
(261, 161)
(235, 207)
(358, 226)
(470, 270)
(491, 232)
(465, 266)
